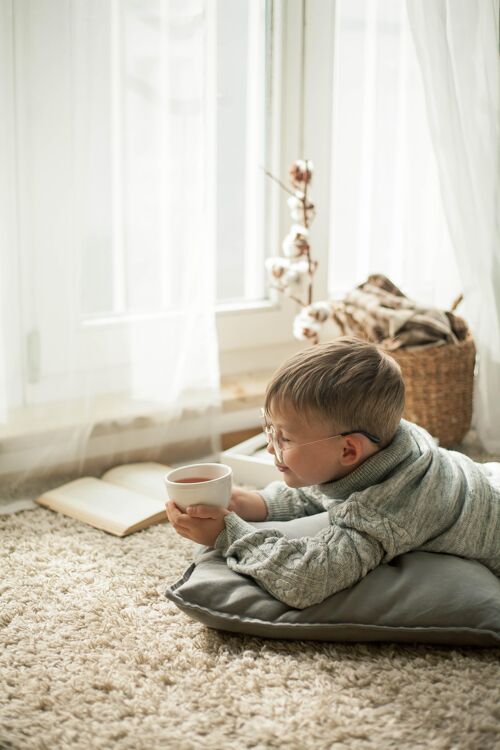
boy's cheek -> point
(291, 480)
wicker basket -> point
(439, 388)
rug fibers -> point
(92, 655)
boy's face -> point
(304, 461)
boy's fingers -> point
(173, 512)
(201, 511)
(170, 513)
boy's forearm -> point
(284, 503)
(276, 502)
(303, 571)
(249, 505)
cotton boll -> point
(299, 329)
(301, 171)
(316, 321)
(276, 267)
(305, 329)
(307, 320)
(294, 202)
(290, 248)
(296, 205)
(297, 214)
(320, 311)
(295, 275)
(302, 245)
(299, 229)
(295, 243)
(304, 164)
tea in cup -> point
(200, 484)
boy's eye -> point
(285, 440)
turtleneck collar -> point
(404, 444)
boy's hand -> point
(200, 523)
(248, 504)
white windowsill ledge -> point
(240, 393)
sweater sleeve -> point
(284, 503)
(299, 572)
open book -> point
(127, 498)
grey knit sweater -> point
(411, 495)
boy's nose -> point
(270, 448)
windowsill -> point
(35, 420)
(239, 393)
(244, 391)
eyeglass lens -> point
(273, 438)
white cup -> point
(212, 488)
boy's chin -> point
(294, 482)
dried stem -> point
(310, 267)
(304, 202)
(304, 210)
(282, 289)
(281, 184)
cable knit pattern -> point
(412, 495)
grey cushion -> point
(417, 597)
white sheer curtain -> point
(458, 50)
(386, 211)
(107, 207)
(415, 164)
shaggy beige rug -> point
(92, 655)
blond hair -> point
(349, 382)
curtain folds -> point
(107, 318)
(458, 51)
(386, 211)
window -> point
(243, 77)
(140, 59)
(386, 211)
(80, 107)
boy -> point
(333, 422)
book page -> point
(103, 505)
(146, 478)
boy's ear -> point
(352, 450)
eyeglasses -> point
(274, 436)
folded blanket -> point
(378, 311)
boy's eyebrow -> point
(282, 426)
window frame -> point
(257, 335)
